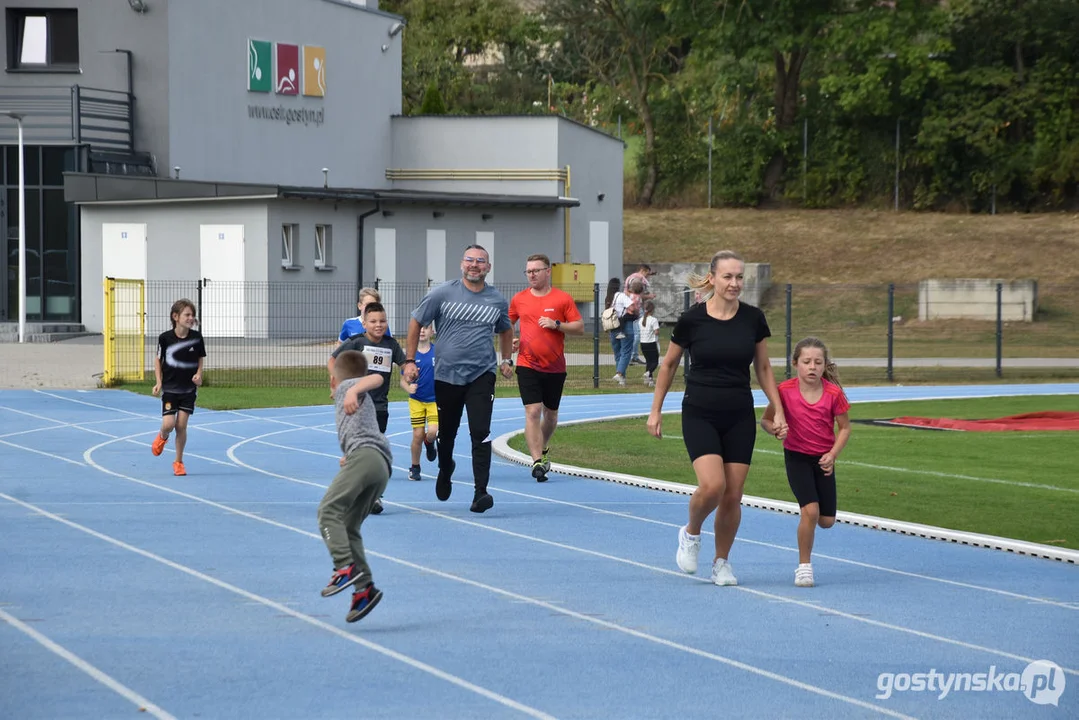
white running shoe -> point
(688, 549)
(723, 573)
(803, 576)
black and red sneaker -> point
(363, 602)
(341, 579)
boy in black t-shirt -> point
(178, 374)
(381, 351)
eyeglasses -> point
(476, 260)
(536, 271)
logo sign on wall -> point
(286, 68)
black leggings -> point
(809, 483)
(478, 398)
(651, 356)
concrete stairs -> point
(37, 332)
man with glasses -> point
(466, 312)
(547, 315)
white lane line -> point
(506, 593)
(41, 452)
(573, 548)
(108, 681)
(638, 518)
(281, 608)
(128, 438)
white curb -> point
(500, 446)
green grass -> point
(965, 481)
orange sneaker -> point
(178, 468)
(159, 445)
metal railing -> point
(282, 333)
(102, 119)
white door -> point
(487, 240)
(123, 250)
(436, 256)
(599, 251)
(222, 270)
(386, 274)
(599, 254)
(123, 257)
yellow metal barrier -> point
(125, 331)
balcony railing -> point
(102, 119)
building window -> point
(323, 247)
(41, 39)
(289, 238)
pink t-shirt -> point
(811, 427)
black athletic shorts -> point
(172, 403)
(541, 387)
(730, 435)
(809, 483)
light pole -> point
(17, 117)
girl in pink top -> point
(813, 404)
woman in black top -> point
(723, 337)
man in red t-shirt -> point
(547, 315)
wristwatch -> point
(507, 362)
(557, 324)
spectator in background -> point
(642, 274)
(620, 342)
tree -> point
(484, 55)
(627, 45)
(774, 34)
(432, 102)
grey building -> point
(254, 145)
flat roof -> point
(97, 188)
(538, 116)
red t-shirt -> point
(811, 427)
(542, 350)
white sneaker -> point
(723, 573)
(803, 576)
(689, 547)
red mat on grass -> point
(1051, 420)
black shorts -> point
(541, 387)
(809, 483)
(172, 403)
(731, 435)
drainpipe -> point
(566, 232)
(359, 253)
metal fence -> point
(280, 334)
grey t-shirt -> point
(360, 429)
(380, 358)
(465, 322)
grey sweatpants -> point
(347, 503)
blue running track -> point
(123, 588)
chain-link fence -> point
(280, 334)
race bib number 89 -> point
(378, 359)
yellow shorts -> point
(422, 413)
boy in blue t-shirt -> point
(352, 327)
(422, 410)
